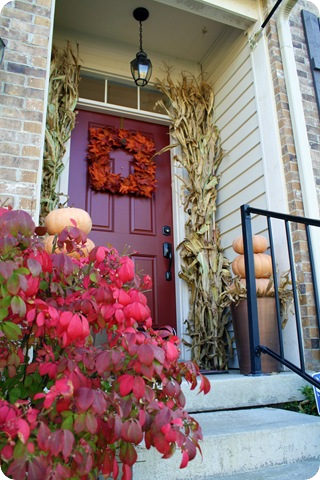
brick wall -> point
(311, 334)
(25, 26)
(290, 166)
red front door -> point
(129, 223)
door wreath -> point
(102, 141)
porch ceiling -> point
(175, 28)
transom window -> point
(116, 92)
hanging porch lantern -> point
(141, 66)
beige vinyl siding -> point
(241, 171)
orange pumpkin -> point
(58, 219)
(259, 243)
(262, 265)
(86, 248)
(261, 285)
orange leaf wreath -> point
(143, 179)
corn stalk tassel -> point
(62, 100)
(203, 265)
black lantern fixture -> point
(2, 47)
(141, 66)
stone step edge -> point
(237, 442)
(234, 391)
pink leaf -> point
(23, 430)
(185, 459)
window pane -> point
(148, 99)
(92, 88)
(119, 94)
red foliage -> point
(69, 409)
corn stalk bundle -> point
(203, 265)
(62, 100)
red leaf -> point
(103, 362)
(172, 352)
(85, 398)
(43, 436)
(185, 459)
(126, 384)
(17, 468)
(37, 469)
(146, 354)
(99, 404)
(23, 430)
(139, 387)
(75, 327)
(132, 431)
(91, 423)
(128, 454)
(126, 472)
(204, 384)
(67, 445)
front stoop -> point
(239, 441)
(233, 390)
(242, 442)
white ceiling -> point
(169, 30)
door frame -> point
(178, 213)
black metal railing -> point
(289, 223)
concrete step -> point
(234, 390)
(305, 470)
(239, 441)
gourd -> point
(58, 219)
(261, 285)
(85, 249)
(259, 243)
(262, 265)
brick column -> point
(26, 28)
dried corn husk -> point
(203, 265)
(62, 100)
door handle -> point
(167, 253)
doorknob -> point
(167, 253)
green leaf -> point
(67, 423)
(5, 302)
(19, 450)
(43, 285)
(14, 395)
(93, 277)
(22, 271)
(4, 290)
(13, 284)
(3, 313)
(11, 330)
(18, 306)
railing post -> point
(254, 337)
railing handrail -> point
(254, 336)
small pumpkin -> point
(261, 285)
(259, 244)
(58, 219)
(262, 265)
(86, 248)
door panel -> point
(129, 223)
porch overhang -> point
(229, 12)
